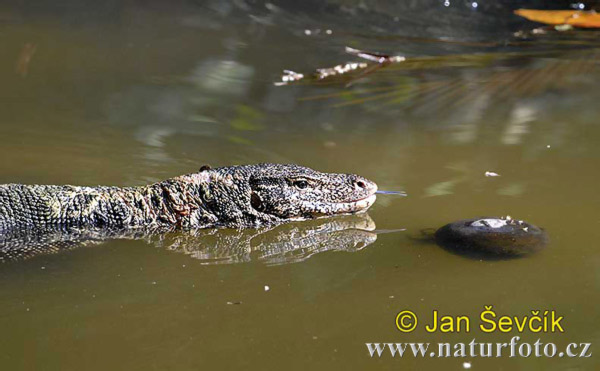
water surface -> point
(117, 94)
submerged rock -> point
(491, 237)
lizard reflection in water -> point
(287, 243)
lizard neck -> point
(184, 202)
(173, 203)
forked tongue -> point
(397, 193)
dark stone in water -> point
(491, 237)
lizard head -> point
(294, 192)
(263, 194)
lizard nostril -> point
(361, 184)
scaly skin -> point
(247, 196)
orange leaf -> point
(575, 18)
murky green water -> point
(118, 94)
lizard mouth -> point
(354, 206)
(349, 207)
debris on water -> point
(267, 288)
(526, 34)
(355, 70)
(491, 237)
(562, 20)
(289, 76)
(489, 223)
(491, 174)
(397, 193)
(466, 365)
(563, 27)
(340, 69)
(548, 146)
(234, 302)
(375, 57)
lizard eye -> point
(256, 202)
(301, 184)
